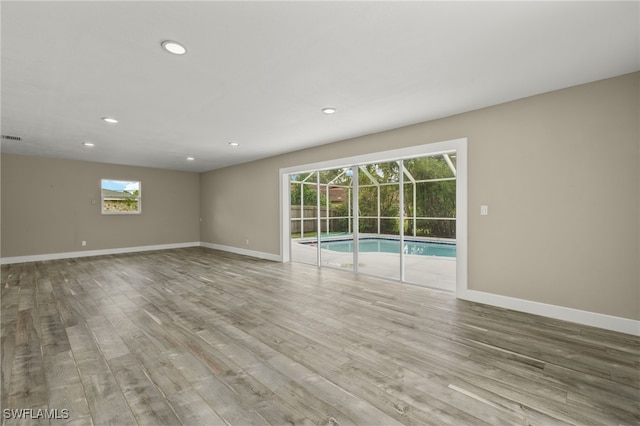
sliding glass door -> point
(393, 219)
(379, 220)
(430, 220)
(336, 238)
(303, 217)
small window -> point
(121, 197)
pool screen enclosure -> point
(409, 200)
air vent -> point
(11, 138)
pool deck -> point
(430, 271)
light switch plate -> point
(484, 210)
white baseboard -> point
(245, 252)
(87, 253)
(607, 322)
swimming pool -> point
(384, 245)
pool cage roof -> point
(411, 172)
(383, 173)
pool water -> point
(381, 245)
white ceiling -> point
(259, 73)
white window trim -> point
(139, 197)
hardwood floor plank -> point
(27, 387)
(107, 338)
(198, 336)
(228, 404)
(8, 318)
(65, 388)
(359, 410)
(105, 399)
(192, 409)
(157, 366)
(621, 401)
(147, 403)
(107, 404)
(264, 382)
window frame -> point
(137, 197)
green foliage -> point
(132, 201)
(340, 210)
(433, 199)
(310, 195)
(335, 177)
(389, 201)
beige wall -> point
(559, 171)
(47, 207)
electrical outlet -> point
(247, 241)
(84, 243)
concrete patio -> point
(430, 271)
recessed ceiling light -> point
(234, 143)
(174, 47)
(190, 158)
(109, 120)
(329, 110)
(88, 144)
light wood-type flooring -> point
(197, 336)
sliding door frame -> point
(431, 149)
